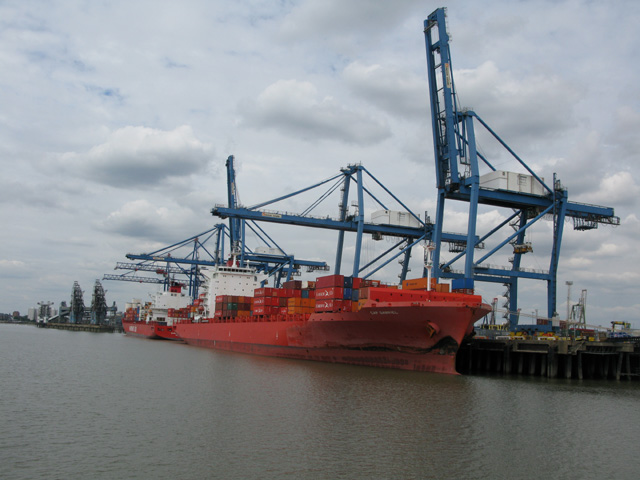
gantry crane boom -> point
(346, 222)
(232, 201)
(128, 278)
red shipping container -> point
(293, 284)
(330, 281)
(265, 301)
(382, 294)
(261, 310)
(328, 305)
(329, 292)
(263, 292)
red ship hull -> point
(166, 332)
(151, 330)
(410, 336)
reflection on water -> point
(88, 405)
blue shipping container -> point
(462, 284)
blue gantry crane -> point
(459, 176)
(407, 227)
(272, 259)
(171, 261)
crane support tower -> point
(98, 305)
(76, 309)
(464, 174)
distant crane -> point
(459, 177)
(44, 311)
(171, 261)
(579, 310)
(168, 264)
(76, 308)
(98, 305)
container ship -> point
(157, 319)
(334, 319)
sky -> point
(116, 118)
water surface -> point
(76, 405)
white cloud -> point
(533, 107)
(140, 156)
(329, 19)
(294, 109)
(11, 265)
(617, 189)
(397, 91)
(144, 220)
(609, 250)
(578, 262)
(625, 131)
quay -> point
(77, 327)
(552, 358)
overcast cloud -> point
(117, 118)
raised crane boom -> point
(232, 199)
(459, 176)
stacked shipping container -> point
(299, 299)
(229, 306)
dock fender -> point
(432, 329)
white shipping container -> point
(267, 251)
(392, 217)
(514, 182)
(135, 303)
